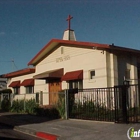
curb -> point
(25, 130)
(43, 135)
(11, 123)
(46, 136)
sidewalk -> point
(67, 129)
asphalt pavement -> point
(67, 129)
(7, 133)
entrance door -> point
(54, 87)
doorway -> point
(54, 88)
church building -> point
(67, 63)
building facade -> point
(67, 63)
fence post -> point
(120, 96)
(124, 103)
(66, 104)
(1, 97)
(24, 101)
(11, 98)
(116, 103)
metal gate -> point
(92, 104)
(118, 104)
(127, 104)
(5, 96)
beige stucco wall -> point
(21, 78)
(109, 68)
(43, 97)
(112, 69)
(76, 59)
(134, 70)
(127, 62)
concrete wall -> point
(74, 59)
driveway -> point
(68, 129)
(83, 130)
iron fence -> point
(127, 104)
(120, 104)
(92, 104)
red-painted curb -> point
(46, 136)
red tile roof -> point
(19, 73)
(15, 84)
(27, 82)
(73, 75)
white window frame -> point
(28, 88)
(16, 90)
(91, 76)
(75, 84)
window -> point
(73, 84)
(29, 89)
(16, 90)
(92, 74)
(76, 84)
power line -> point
(13, 62)
(14, 67)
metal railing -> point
(92, 104)
(120, 104)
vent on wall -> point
(62, 50)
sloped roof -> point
(58, 42)
(19, 73)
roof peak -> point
(69, 35)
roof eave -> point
(35, 59)
(58, 42)
(124, 49)
(19, 73)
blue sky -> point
(27, 25)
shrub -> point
(61, 105)
(21, 106)
(30, 106)
(17, 106)
(5, 105)
(50, 113)
(39, 111)
(89, 105)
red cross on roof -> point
(68, 19)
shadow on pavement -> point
(13, 119)
(7, 138)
